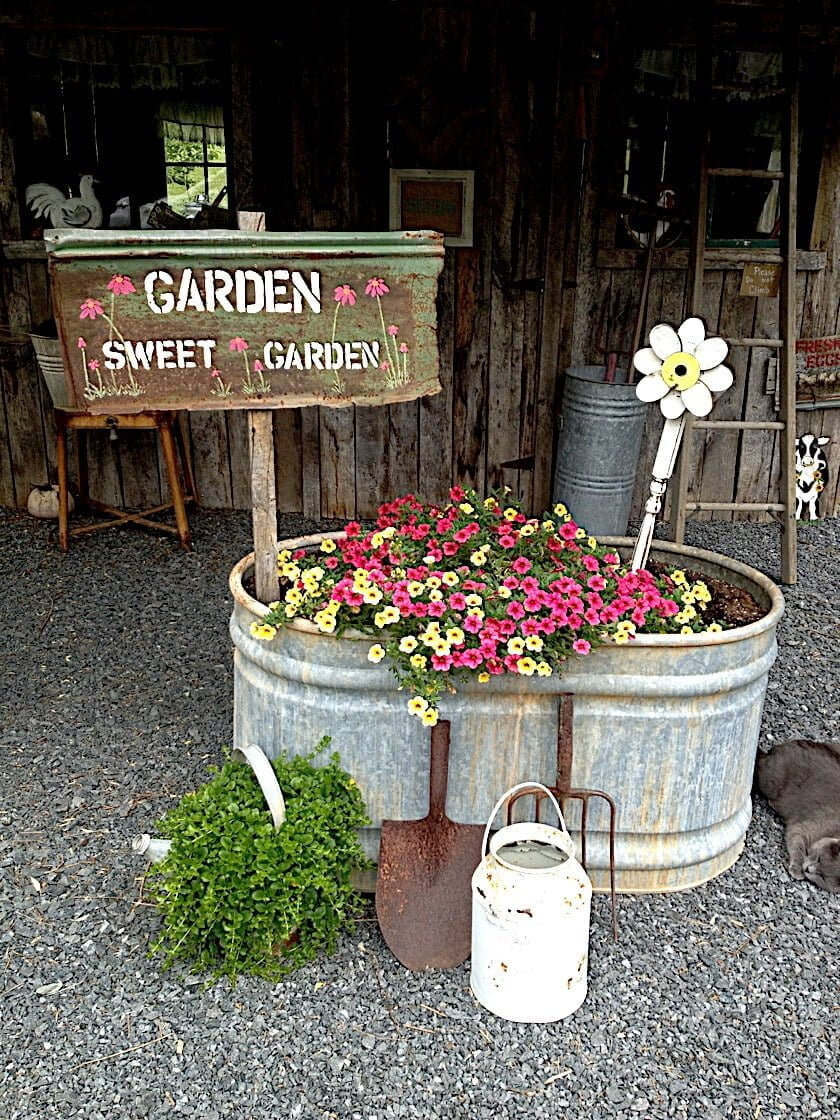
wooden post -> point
(264, 504)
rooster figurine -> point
(48, 202)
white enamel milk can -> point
(531, 902)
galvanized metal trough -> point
(667, 724)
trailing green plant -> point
(237, 896)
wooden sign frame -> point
(441, 200)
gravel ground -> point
(722, 1003)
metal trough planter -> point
(667, 724)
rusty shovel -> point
(423, 887)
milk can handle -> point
(264, 773)
(516, 789)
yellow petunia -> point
(686, 630)
(450, 579)
(621, 636)
(544, 669)
(430, 717)
(418, 661)
(580, 534)
(455, 635)
(435, 596)
(526, 666)
(483, 677)
(534, 643)
(408, 644)
(473, 600)
(465, 507)
(510, 514)
(516, 645)
(414, 588)
(375, 654)
(560, 510)
(417, 704)
(527, 530)
(504, 592)
(592, 542)
(714, 628)
(328, 546)
(263, 630)
(490, 503)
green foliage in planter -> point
(235, 895)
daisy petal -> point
(672, 406)
(698, 399)
(711, 352)
(646, 361)
(692, 332)
(652, 388)
(665, 341)
(717, 379)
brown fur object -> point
(801, 780)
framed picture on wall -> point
(439, 200)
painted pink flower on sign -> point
(121, 285)
(81, 343)
(345, 295)
(238, 344)
(93, 365)
(393, 330)
(90, 309)
(376, 286)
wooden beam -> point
(264, 504)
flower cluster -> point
(476, 587)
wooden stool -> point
(161, 421)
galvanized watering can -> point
(530, 920)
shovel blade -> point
(424, 890)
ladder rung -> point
(744, 256)
(744, 173)
(745, 87)
(769, 343)
(742, 425)
(741, 507)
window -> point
(194, 158)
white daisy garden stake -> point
(682, 368)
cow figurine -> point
(811, 474)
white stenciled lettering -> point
(218, 285)
(164, 353)
(185, 353)
(207, 346)
(139, 354)
(273, 355)
(189, 294)
(310, 292)
(370, 353)
(160, 302)
(244, 278)
(314, 353)
(276, 288)
(293, 357)
(113, 354)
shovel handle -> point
(439, 768)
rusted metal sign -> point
(233, 319)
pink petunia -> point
(568, 531)
(237, 344)
(81, 343)
(442, 661)
(457, 601)
(345, 295)
(507, 541)
(121, 285)
(90, 309)
(591, 563)
(580, 645)
(515, 610)
(521, 565)
(596, 583)
(393, 330)
(376, 286)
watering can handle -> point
(516, 789)
(264, 773)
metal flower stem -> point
(663, 468)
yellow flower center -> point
(681, 371)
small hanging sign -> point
(221, 319)
(760, 280)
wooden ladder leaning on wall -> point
(784, 509)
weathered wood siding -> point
(494, 89)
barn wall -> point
(317, 118)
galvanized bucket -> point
(530, 920)
(600, 433)
(51, 364)
(668, 724)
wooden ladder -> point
(700, 257)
